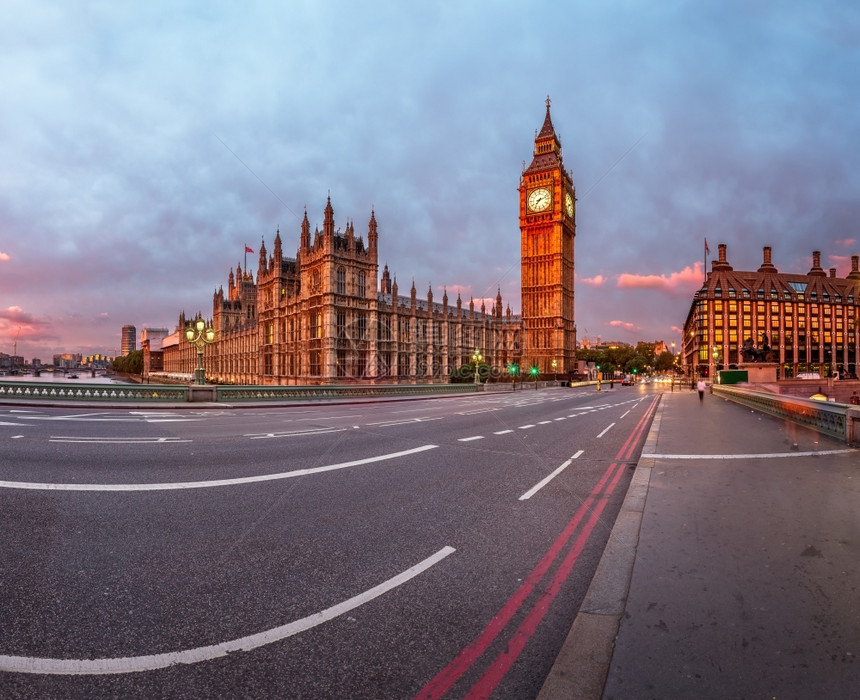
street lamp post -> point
(476, 358)
(200, 336)
(715, 355)
(674, 368)
(554, 369)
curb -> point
(582, 666)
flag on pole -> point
(707, 250)
(251, 250)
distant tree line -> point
(627, 359)
(129, 364)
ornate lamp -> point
(199, 335)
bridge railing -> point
(116, 393)
(834, 419)
(234, 394)
(37, 392)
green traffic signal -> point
(534, 370)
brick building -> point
(805, 323)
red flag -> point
(250, 250)
(707, 250)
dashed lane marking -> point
(543, 482)
(605, 430)
(116, 440)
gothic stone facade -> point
(326, 316)
(320, 318)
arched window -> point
(341, 281)
(362, 283)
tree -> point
(646, 350)
(129, 364)
(664, 362)
(637, 364)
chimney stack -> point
(766, 265)
(816, 270)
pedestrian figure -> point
(701, 386)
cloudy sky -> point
(142, 145)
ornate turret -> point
(306, 233)
(328, 221)
(372, 233)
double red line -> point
(592, 507)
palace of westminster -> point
(326, 316)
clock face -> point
(539, 199)
(568, 204)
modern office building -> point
(328, 315)
(804, 323)
(129, 340)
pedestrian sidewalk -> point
(733, 569)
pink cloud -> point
(682, 281)
(4, 257)
(846, 242)
(626, 325)
(17, 315)
(596, 281)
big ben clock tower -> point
(547, 230)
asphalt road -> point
(433, 548)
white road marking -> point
(526, 427)
(606, 430)
(538, 486)
(503, 432)
(389, 423)
(560, 418)
(624, 414)
(469, 439)
(173, 486)
(150, 662)
(544, 422)
(116, 440)
(2, 423)
(293, 433)
(765, 455)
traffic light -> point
(533, 371)
(514, 369)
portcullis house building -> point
(803, 323)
